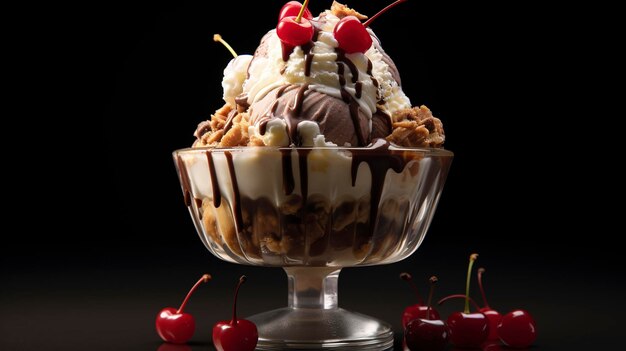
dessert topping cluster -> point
(317, 81)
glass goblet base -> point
(313, 319)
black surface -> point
(98, 238)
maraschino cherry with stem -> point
(418, 310)
(293, 8)
(295, 30)
(492, 315)
(236, 334)
(426, 334)
(352, 35)
(175, 326)
(467, 329)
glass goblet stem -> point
(313, 287)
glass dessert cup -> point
(313, 211)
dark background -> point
(98, 239)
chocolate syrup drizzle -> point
(370, 66)
(199, 207)
(308, 57)
(308, 61)
(347, 98)
(288, 180)
(288, 49)
(358, 87)
(378, 167)
(292, 117)
(184, 180)
(236, 197)
(217, 195)
(242, 100)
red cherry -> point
(467, 329)
(418, 310)
(424, 334)
(294, 30)
(292, 8)
(294, 33)
(517, 329)
(236, 334)
(352, 35)
(492, 315)
(175, 326)
(466, 323)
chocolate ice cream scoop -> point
(341, 123)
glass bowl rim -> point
(428, 151)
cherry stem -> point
(301, 13)
(459, 296)
(480, 286)
(242, 280)
(409, 279)
(205, 278)
(433, 280)
(389, 7)
(218, 38)
(473, 258)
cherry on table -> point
(517, 329)
(236, 334)
(419, 310)
(492, 315)
(467, 329)
(426, 334)
(292, 8)
(175, 326)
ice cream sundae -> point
(316, 161)
(306, 162)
